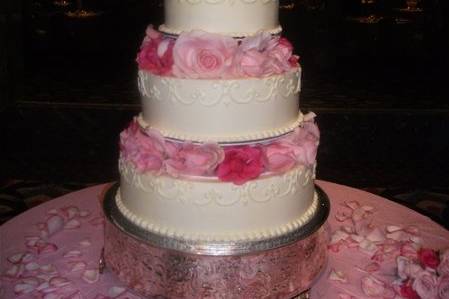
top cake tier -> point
(237, 18)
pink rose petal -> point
(393, 228)
(352, 204)
(76, 295)
(16, 258)
(342, 216)
(84, 213)
(357, 238)
(70, 212)
(78, 266)
(116, 291)
(376, 235)
(90, 276)
(44, 285)
(338, 236)
(54, 224)
(373, 287)
(338, 276)
(367, 208)
(32, 266)
(412, 229)
(48, 269)
(368, 246)
(345, 296)
(47, 248)
(73, 254)
(31, 241)
(14, 271)
(27, 257)
(53, 212)
(72, 224)
(398, 236)
(59, 282)
(85, 243)
(23, 288)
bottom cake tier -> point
(274, 268)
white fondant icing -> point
(231, 17)
(221, 110)
(214, 209)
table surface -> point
(66, 261)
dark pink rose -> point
(443, 287)
(426, 285)
(156, 53)
(443, 267)
(279, 157)
(199, 54)
(407, 291)
(193, 159)
(241, 164)
(428, 258)
(144, 150)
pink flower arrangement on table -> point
(148, 151)
(422, 273)
(201, 55)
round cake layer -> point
(221, 110)
(212, 210)
(230, 17)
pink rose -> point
(280, 54)
(279, 157)
(428, 258)
(443, 267)
(144, 150)
(199, 54)
(241, 164)
(304, 142)
(426, 285)
(443, 287)
(193, 159)
(372, 286)
(250, 63)
(407, 291)
(156, 53)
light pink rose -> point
(443, 267)
(372, 286)
(250, 63)
(156, 53)
(193, 159)
(426, 285)
(144, 150)
(279, 157)
(199, 54)
(443, 287)
(304, 142)
(280, 53)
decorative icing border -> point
(170, 188)
(240, 236)
(265, 134)
(226, 92)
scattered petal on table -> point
(73, 254)
(85, 243)
(345, 296)
(116, 291)
(23, 288)
(70, 212)
(16, 258)
(54, 224)
(76, 295)
(338, 235)
(368, 246)
(412, 229)
(352, 204)
(368, 208)
(90, 276)
(376, 235)
(49, 269)
(338, 276)
(72, 224)
(28, 257)
(31, 266)
(78, 266)
(14, 271)
(31, 241)
(59, 282)
(46, 247)
(342, 216)
(84, 213)
(371, 286)
(101, 296)
(53, 212)
(398, 236)
(393, 228)
(44, 285)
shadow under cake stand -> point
(157, 266)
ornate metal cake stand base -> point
(155, 272)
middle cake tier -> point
(221, 110)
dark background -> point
(376, 75)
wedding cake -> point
(221, 150)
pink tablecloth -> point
(65, 262)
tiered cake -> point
(221, 153)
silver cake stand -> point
(157, 266)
